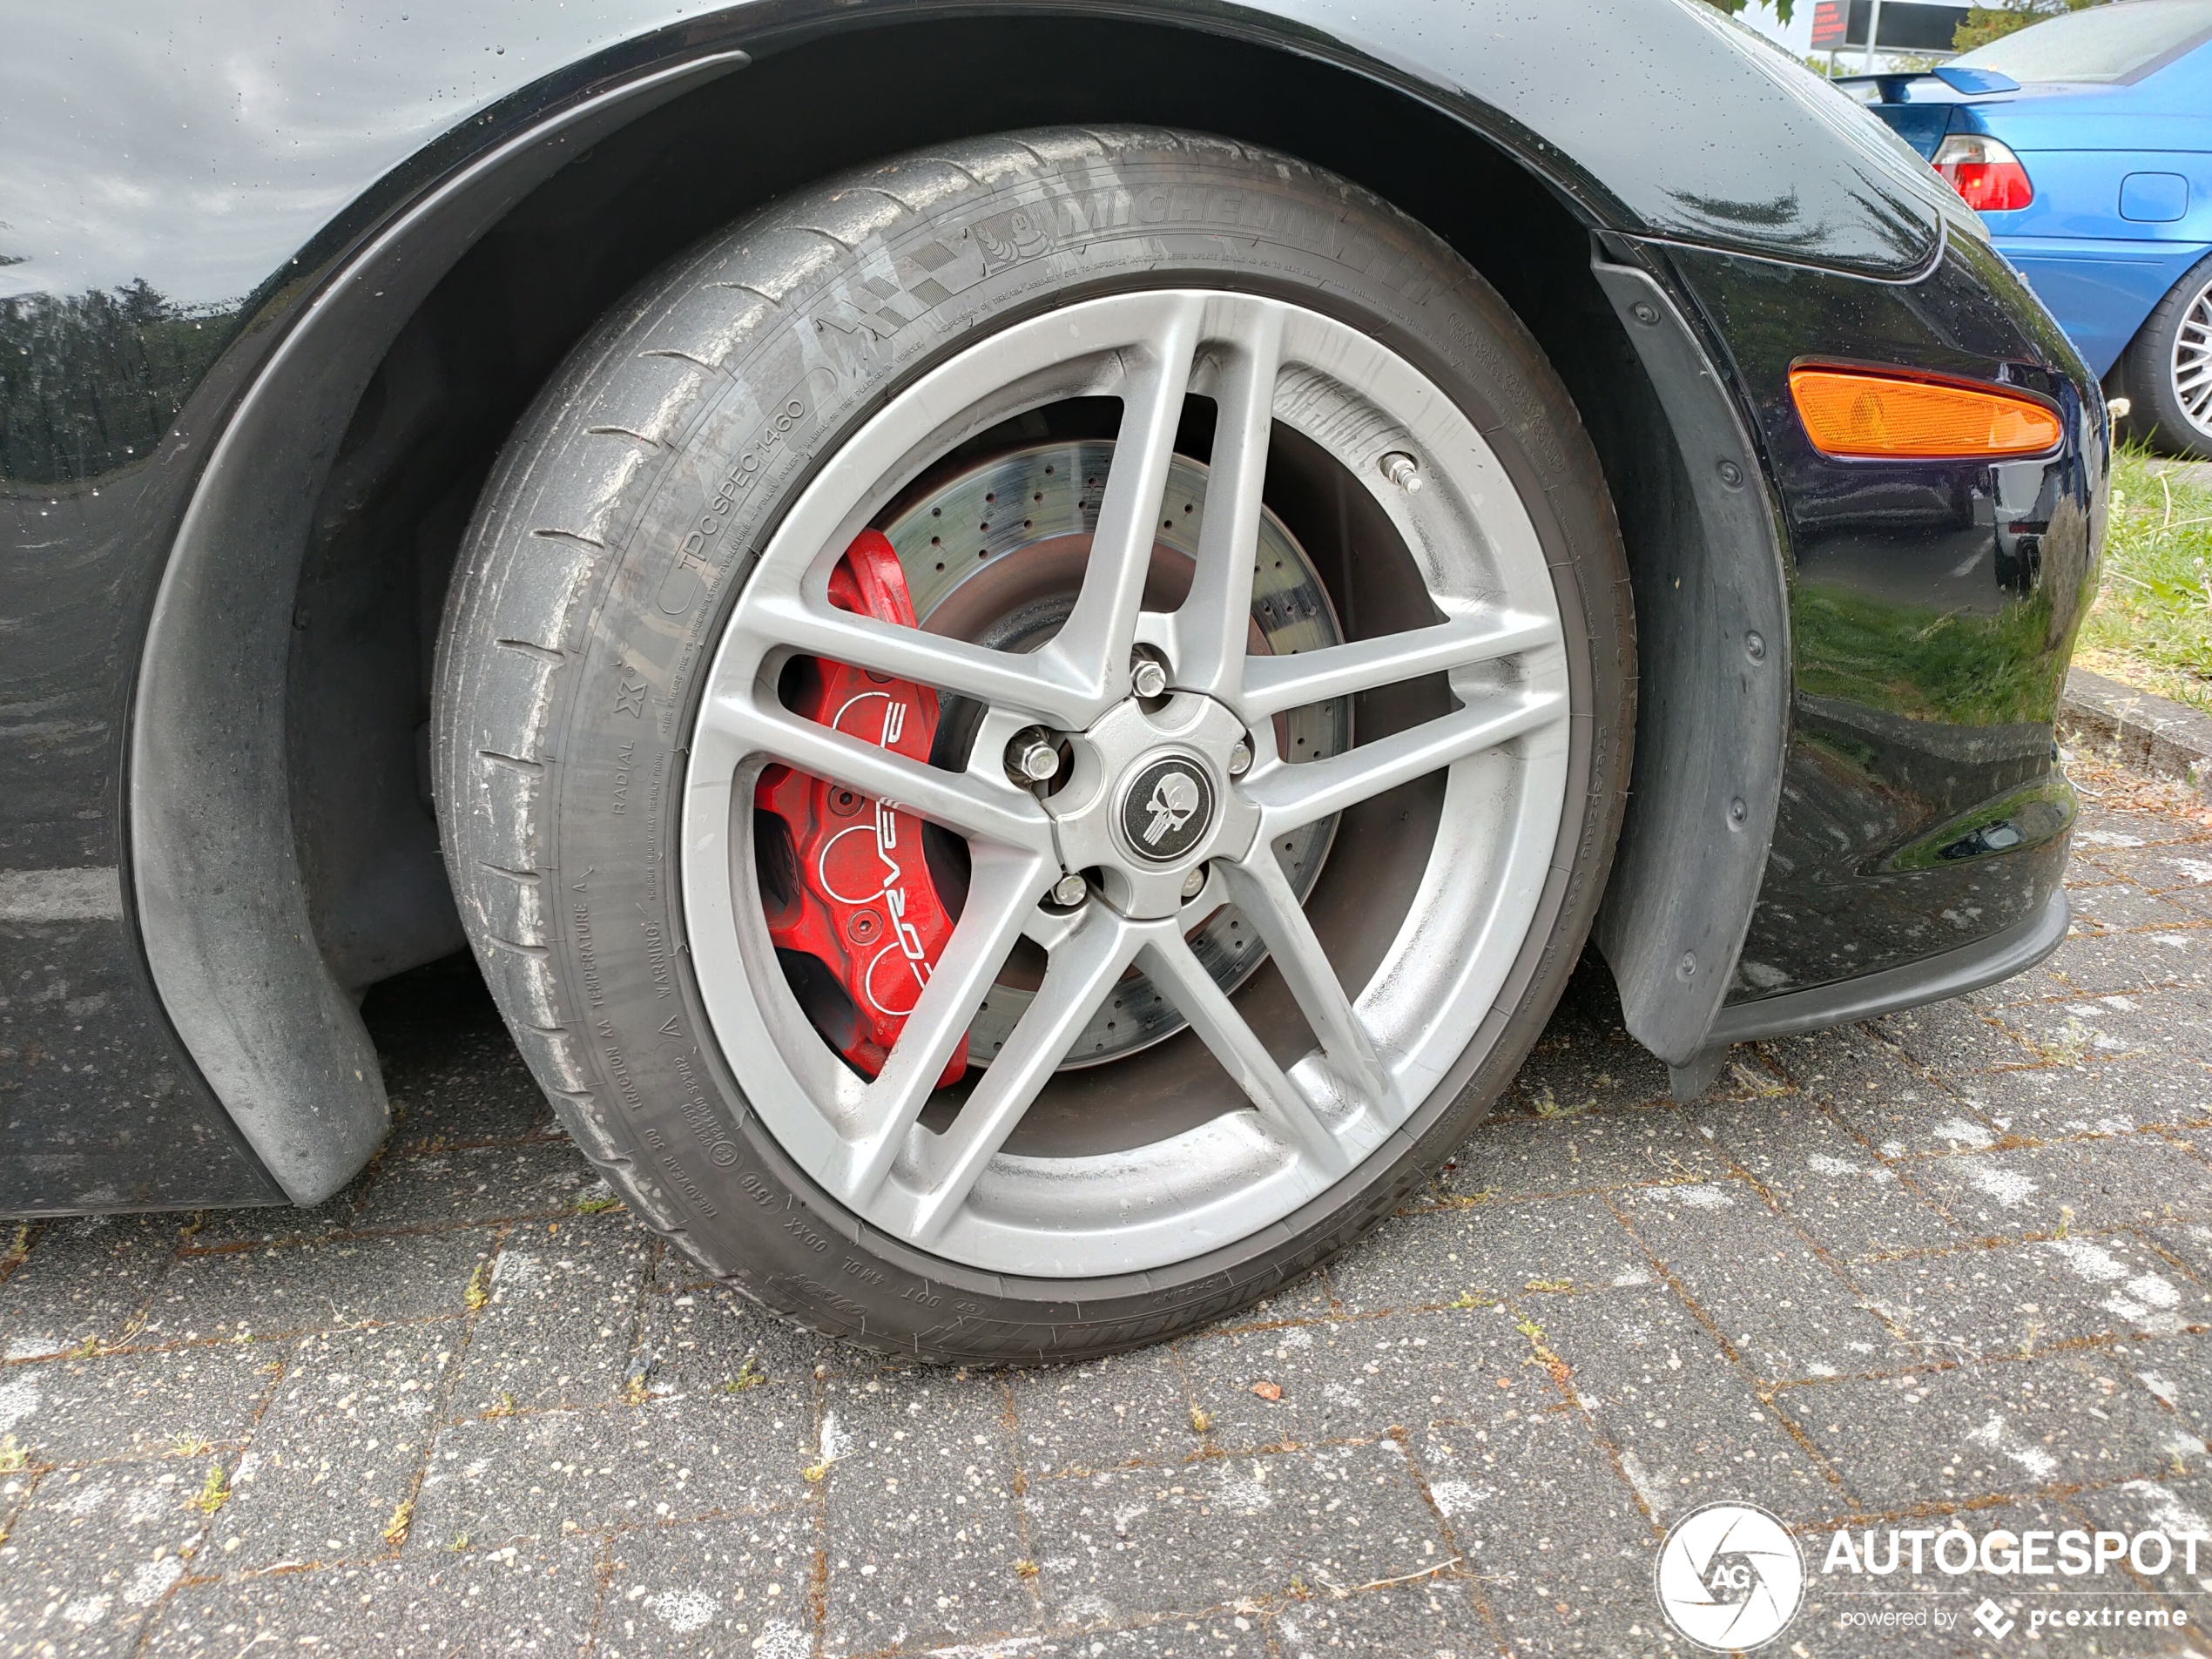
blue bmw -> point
(2086, 143)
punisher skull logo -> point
(1167, 808)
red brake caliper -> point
(865, 907)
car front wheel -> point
(1027, 738)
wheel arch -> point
(235, 894)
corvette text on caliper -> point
(859, 901)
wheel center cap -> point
(1167, 806)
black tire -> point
(565, 690)
(2145, 376)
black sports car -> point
(715, 514)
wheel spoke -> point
(1003, 887)
(1167, 957)
(1263, 893)
(1077, 977)
(1290, 795)
(1211, 628)
(1092, 648)
(958, 800)
(996, 677)
(1273, 684)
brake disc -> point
(995, 555)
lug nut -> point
(1070, 889)
(1402, 470)
(1195, 882)
(1147, 676)
(1033, 758)
(1240, 759)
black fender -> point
(1615, 107)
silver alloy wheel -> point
(1034, 513)
(2192, 364)
(1378, 1050)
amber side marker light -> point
(1878, 416)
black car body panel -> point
(236, 218)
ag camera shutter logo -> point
(1729, 1576)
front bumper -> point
(1922, 838)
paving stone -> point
(2165, 867)
(538, 1178)
(281, 1223)
(1787, 1312)
(1132, 1409)
(1358, 1378)
(2095, 965)
(1951, 1436)
(1974, 1304)
(1128, 1542)
(1575, 1066)
(1964, 1033)
(1433, 1258)
(540, 1475)
(404, 1276)
(85, 1280)
(2110, 1182)
(1434, 1615)
(244, 1292)
(712, 1588)
(1687, 1423)
(2124, 907)
(1552, 1532)
(478, 1603)
(450, 1069)
(1224, 1633)
(1527, 1157)
(711, 1340)
(2180, 1506)
(561, 1320)
(1876, 1090)
(2177, 1370)
(920, 1501)
(2188, 1242)
(2193, 901)
(237, 1295)
(1311, 1297)
(2101, 1027)
(338, 1450)
(2097, 1096)
(94, 1552)
(1849, 1200)
(135, 1405)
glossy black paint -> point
(173, 193)
(1933, 608)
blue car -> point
(2086, 143)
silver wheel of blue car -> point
(2166, 372)
(2190, 361)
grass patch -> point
(214, 1492)
(2151, 626)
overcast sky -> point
(1796, 34)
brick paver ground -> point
(1956, 1262)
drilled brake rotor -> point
(995, 555)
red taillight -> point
(1987, 176)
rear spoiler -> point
(1891, 88)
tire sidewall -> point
(2150, 366)
(685, 531)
